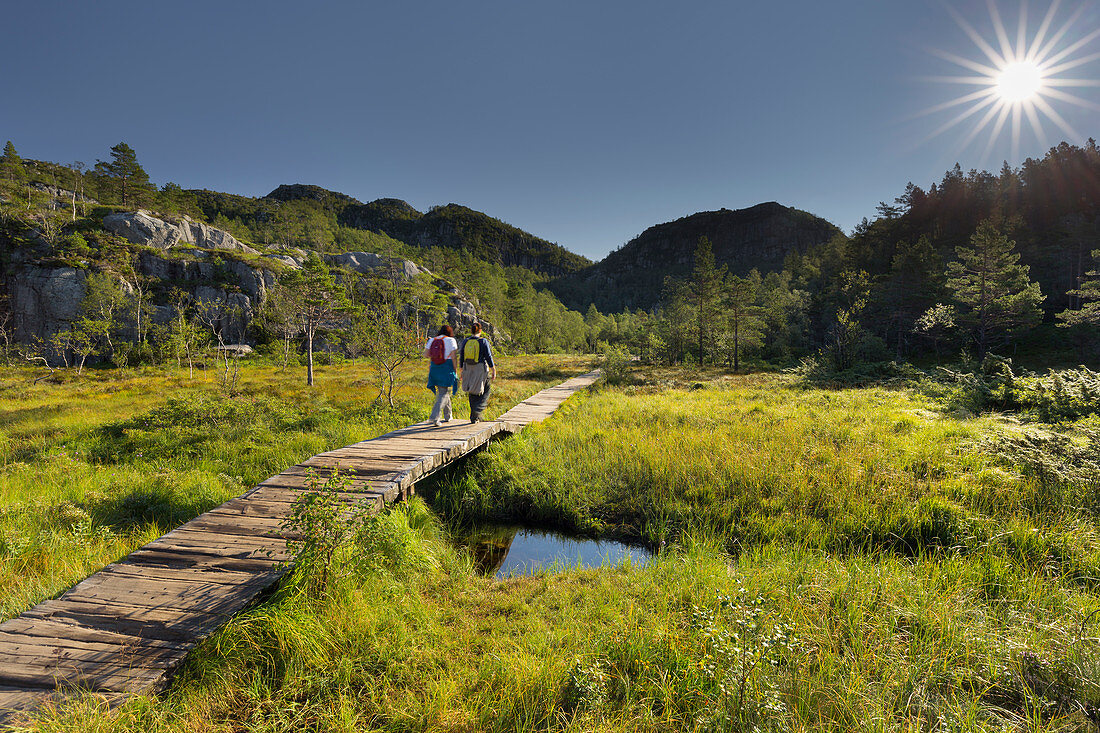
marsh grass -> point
(844, 560)
(93, 467)
(760, 460)
(410, 638)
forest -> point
(981, 263)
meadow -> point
(829, 559)
(94, 466)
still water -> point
(507, 551)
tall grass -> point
(94, 467)
(785, 639)
(761, 461)
(843, 560)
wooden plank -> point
(189, 557)
(155, 623)
(94, 676)
(31, 650)
(62, 632)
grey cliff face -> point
(139, 227)
(368, 263)
(45, 300)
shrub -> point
(615, 364)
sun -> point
(1020, 80)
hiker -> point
(477, 370)
(442, 373)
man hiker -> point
(477, 369)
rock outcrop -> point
(227, 291)
(44, 300)
(368, 263)
(140, 227)
(207, 237)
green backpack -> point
(471, 350)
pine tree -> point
(914, 284)
(996, 293)
(12, 165)
(1089, 294)
(125, 176)
(744, 314)
(704, 295)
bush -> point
(819, 372)
(615, 364)
(1059, 396)
(1066, 471)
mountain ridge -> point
(632, 276)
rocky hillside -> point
(632, 276)
(293, 212)
(177, 257)
(457, 227)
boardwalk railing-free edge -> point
(124, 630)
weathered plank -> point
(124, 629)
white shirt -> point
(450, 346)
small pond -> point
(507, 551)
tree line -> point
(510, 297)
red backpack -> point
(435, 350)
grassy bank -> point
(95, 466)
(834, 560)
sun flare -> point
(1022, 78)
(1019, 81)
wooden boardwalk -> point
(123, 630)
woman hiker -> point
(442, 373)
(477, 370)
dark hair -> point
(445, 331)
(476, 328)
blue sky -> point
(582, 122)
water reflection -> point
(506, 551)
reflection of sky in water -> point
(507, 551)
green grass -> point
(834, 560)
(96, 466)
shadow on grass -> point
(542, 373)
(165, 507)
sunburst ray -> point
(1018, 76)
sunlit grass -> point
(835, 560)
(784, 639)
(75, 495)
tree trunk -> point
(736, 348)
(309, 361)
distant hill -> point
(462, 228)
(454, 227)
(299, 191)
(632, 276)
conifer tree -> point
(704, 295)
(124, 175)
(913, 285)
(744, 314)
(1089, 294)
(996, 293)
(12, 165)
